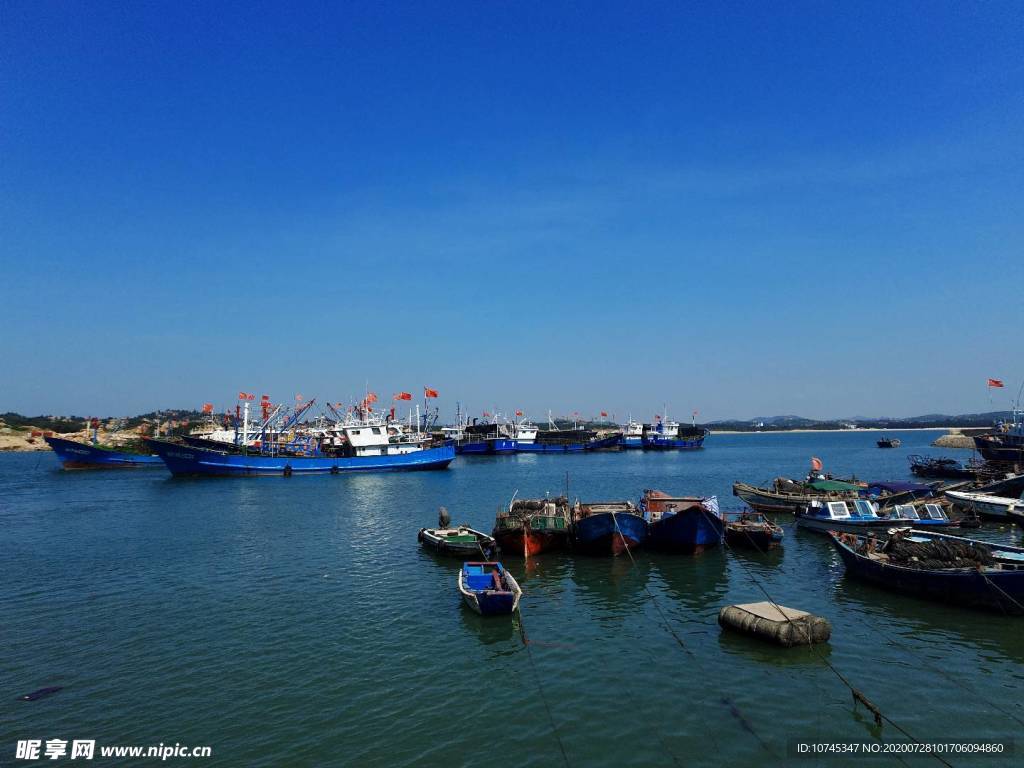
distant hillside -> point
(931, 420)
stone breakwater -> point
(956, 438)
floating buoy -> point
(777, 623)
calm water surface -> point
(294, 621)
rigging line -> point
(668, 626)
(540, 687)
(857, 695)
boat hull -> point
(999, 448)
(995, 510)
(1001, 591)
(609, 533)
(631, 441)
(672, 444)
(75, 455)
(554, 446)
(758, 539)
(490, 447)
(481, 547)
(512, 541)
(688, 532)
(186, 460)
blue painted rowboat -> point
(488, 588)
(684, 524)
(75, 455)
(998, 586)
(189, 460)
(607, 528)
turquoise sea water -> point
(294, 621)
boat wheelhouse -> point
(632, 435)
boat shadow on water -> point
(493, 632)
(907, 620)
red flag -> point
(207, 407)
(816, 464)
(486, 413)
(995, 382)
(428, 392)
(371, 397)
(604, 413)
(265, 398)
(519, 413)
(403, 396)
(392, 413)
(243, 396)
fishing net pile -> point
(935, 553)
(526, 506)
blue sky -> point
(745, 209)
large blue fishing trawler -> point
(575, 440)
(358, 443)
(671, 435)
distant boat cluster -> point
(286, 441)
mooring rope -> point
(678, 639)
(540, 687)
(858, 696)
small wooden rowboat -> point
(752, 530)
(462, 541)
(489, 589)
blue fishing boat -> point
(861, 515)
(632, 435)
(682, 524)
(607, 528)
(188, 460)
(76, 455)
(936, 566)
(489, 589)
(665, 435)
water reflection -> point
(697, 582)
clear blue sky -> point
(746, 209)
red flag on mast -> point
(428, 392)
(403, 396)
(995, 382)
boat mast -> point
(245, 426)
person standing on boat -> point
(443, 518)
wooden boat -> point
(791, 497)
(944, 467)
(936, 566)
(996, 507)
(607, 528)
(461, 541)
(863, 515)
(76, 455)
(488, 588)
(531, 526)
(751, 529)
(889, 442)
(681, 524)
